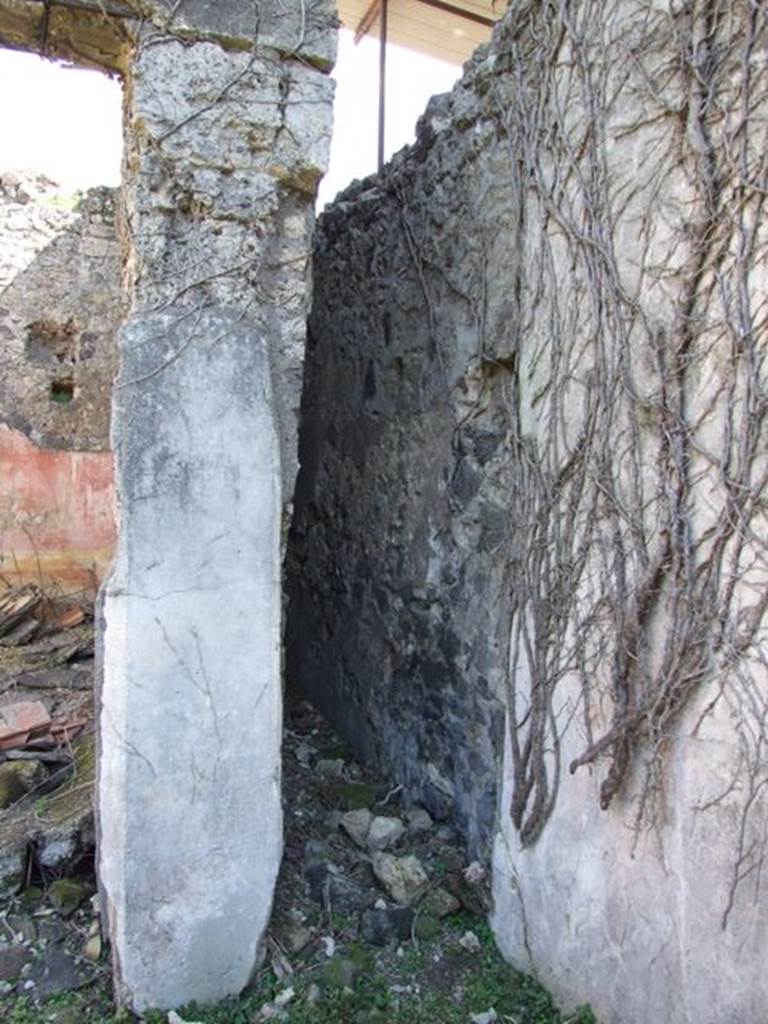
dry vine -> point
(637, 556)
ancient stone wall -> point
(397, 583)
(533, 486)
(60, 305)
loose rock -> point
(488, 1017)
(329, 888)
(404, 878)
(418, 820)
(174, 1018)
(304, 753)
(56, 973)
(13, 864)
(384, 832)
(473, 898)
(66, 895)
(474, 873)
(470, 942)
(378, 926)
(17, 778)
(293, 934)
(314, 994)
(12, 959)
(357, 825)
(440, 903)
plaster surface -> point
(190, 718)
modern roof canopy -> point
(446, 29)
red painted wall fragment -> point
(57, 513)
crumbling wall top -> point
(101, 34)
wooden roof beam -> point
(370, 16)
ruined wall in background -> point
(533, 484)
(60, 305)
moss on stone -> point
(353, 796)
(66, 895)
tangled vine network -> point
(638, 134)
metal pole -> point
(382, 78)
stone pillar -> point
(227, 129)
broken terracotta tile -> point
(70, 617)
(19, 739)
(67, 730)
(20, 721)
(16, 605)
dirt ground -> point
(345, 944)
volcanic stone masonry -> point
(528, 567)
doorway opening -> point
(60, 306)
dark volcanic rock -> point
(379, 926)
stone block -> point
(189, 778)
(21, 720)
(295, 28)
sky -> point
(66, 122)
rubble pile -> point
(46, 738)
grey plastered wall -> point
(533, 482)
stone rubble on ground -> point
(440, 903)
(46, 745)
(357, 825)
(470, 942)
(374, 833)
(313, 995)
(379, 926)
(474, 873)
(404, 878)
(292, 932)
(488, 1017)
(12, 960)
(174, 1018)
(334, 881)
(304, 753)
(58, 972)
(276, 1009)
(383, 833)
(418, 820)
